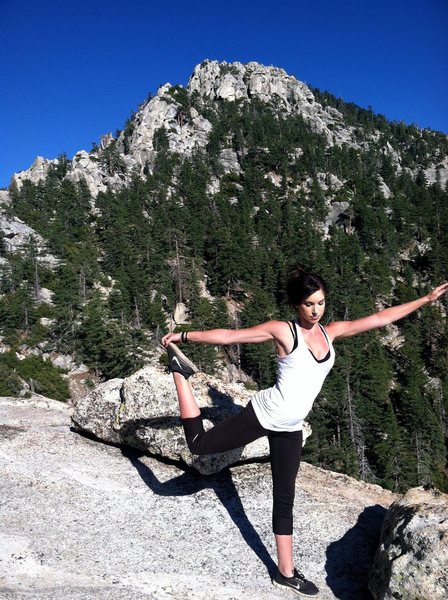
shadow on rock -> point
(222, 400)
(223, 406)
(136, 433)
(221, 483)
(394, 543)
(350, 559)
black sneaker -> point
(179, 363)
(297, 583)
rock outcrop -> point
(141, 411)
(17, 235)
(5, 198)
(271, 85)
(235, 81)
(38, 170)
(412, 560)
(81, 519)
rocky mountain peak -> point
(186, 129)
(215, 80)
(176, 112)
(236, 81)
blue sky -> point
(71, 71)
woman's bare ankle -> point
(286, 571)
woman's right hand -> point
(170, 338)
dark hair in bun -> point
(302, 283)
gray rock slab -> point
(83, 519)
(412, 559)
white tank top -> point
(301, 375)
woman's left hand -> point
(437, 292)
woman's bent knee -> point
(194, 430)
(195, 446)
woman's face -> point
(312, 308)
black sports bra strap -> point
(293, 329)
(325, 334)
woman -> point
(305, 356)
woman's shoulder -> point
(284, 335)
(335, 329)
(276, 323)
(278, 329)
(284, 325)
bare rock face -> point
(412, 560)
(438, 173)
(186, 130)
(97, 412)
(38, 170)
(237, 81)
(229, 161)
(85, 167)
(17, 236)
(83, 520)
(180, 314)
(5, 198)
(141, 411)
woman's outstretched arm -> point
(383, 317)
(277, 331)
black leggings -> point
(241, 429)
